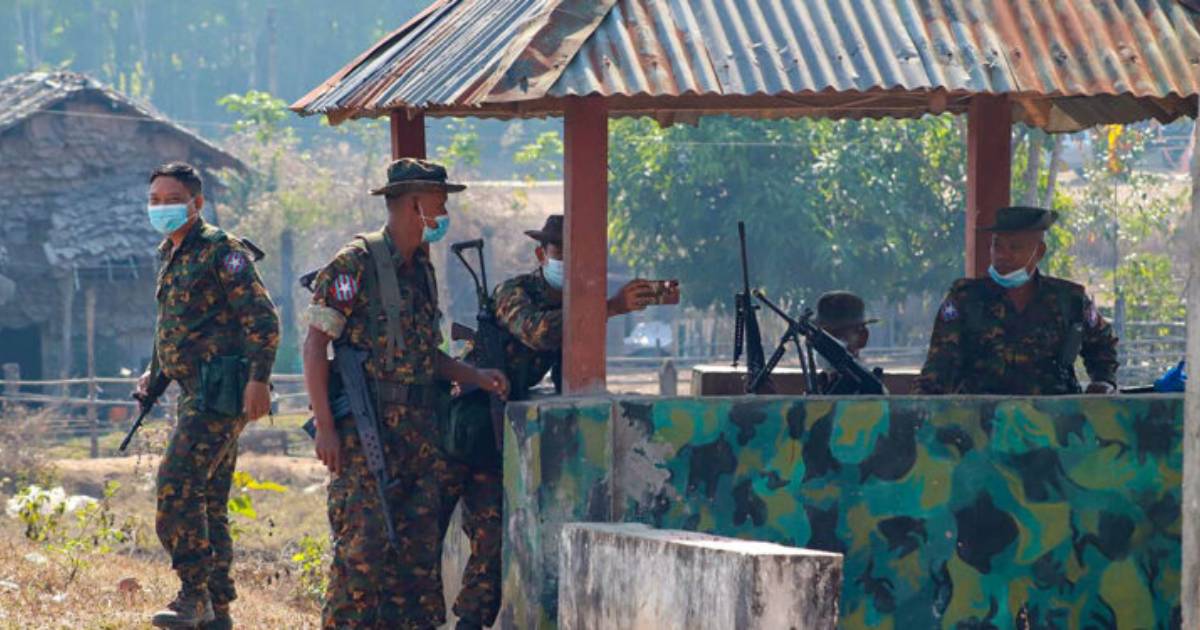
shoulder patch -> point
(234, 261)
(948, 312)
(344, 288)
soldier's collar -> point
(193, 233)
(420, 255)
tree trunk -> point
(1052, 171)
(287, 309)
(1033, 167)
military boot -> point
(190, 609)
(221, 618)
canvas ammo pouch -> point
(222, 385)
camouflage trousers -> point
(482, 493)
(192, 519)
(371, 583)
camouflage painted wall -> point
(952, 513)
(557, 465)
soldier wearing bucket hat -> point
(378, 296)
(841, 314)
(1018, 331)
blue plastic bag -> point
(1175, 380)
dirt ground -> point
(37, 591)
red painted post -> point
(408, 134)
(585, 168)
(989, 174)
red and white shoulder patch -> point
(344, 288)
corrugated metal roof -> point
(25, 95)
(813, 57)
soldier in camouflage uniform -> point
(1018, 332)
(529, 306)
(368, 586)
(212, 311)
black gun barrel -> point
(471, 244)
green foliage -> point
(73, 529)
(185, 53)
(241, 502)
(543, 157)
(1151, 293)
(260, 113)
(874, 206)
(311, 559)
(1123, 212)
(463, 150)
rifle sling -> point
(384, 300)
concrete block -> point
(631, 576)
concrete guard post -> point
(634, 577)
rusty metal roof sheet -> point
(783, 57)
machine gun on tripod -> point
(853, 378)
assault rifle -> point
(350, 393)
(488, 336)
(146, 401)
(746, 335)
(853, 378)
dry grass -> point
(35, 591)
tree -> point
(1123, 211)
(263, 118)
(875, 206)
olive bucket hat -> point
(412, 175)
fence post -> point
(12, 374)
(668, 379)
(92, 416)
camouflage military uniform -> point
(982, 345)
(368, 587)
(211, 303)
(532, 313)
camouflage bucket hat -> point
(551, 232)
(841, 309)
(1022, 219)
(411, 174)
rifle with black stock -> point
(853, 377)
(146, 401)
(747, 338)
(488, 336)
(350, 393)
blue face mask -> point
(553, 272)
(168, 218)
(434, 234)
(1012, 279)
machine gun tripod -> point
(853, 378)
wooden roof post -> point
(989, 174)
(408, 134)
(585, 238)
(1190, 597)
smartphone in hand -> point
(665, 291)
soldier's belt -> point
(410, 394)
